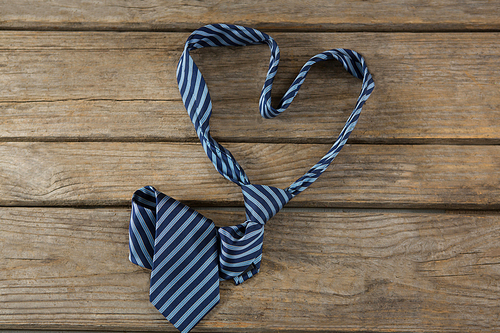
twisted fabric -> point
(187, 254)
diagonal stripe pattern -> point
(241, 245)
(188, 256)
(182, 255)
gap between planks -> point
(298, 141)
(407, 28)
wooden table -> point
(401, 233)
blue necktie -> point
(187, 254)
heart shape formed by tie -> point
(187, 254)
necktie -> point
(187, 254)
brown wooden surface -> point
(431, 88)
(406, 271)
(400, 234)
(378, 176)
(342, 15)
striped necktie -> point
(187, 254)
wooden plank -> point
(294, 15)
(322, 271)
(459, 177)
(430, 88)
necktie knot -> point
(263, 202)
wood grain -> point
(293, 15)
(410, 272)
(391, 176)
(102, 86)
